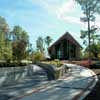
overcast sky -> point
(44, 17)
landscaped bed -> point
(85, 63)
(56, 68)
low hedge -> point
(4, 64)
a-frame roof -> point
(66, 36)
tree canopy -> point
(90, 8)
(40, 44)
(13, 44)
(48, 40)
(19, 43)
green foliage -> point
(37, 57)
(58, 66)
(99, 56)
(89, 8)
(13, 45)
(95, 50)
(91, 5)
(19, 43)
(48, 40)
(7, 54)
(19, 34)
(19, 50)
(3, 25)
(56, 62)
(86, 55)
(93, 36)
(40, 44)
(16, 33)
(5, 44)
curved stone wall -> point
(14, 75)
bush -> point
(37, 57)
(86, 63)
(56, 62)
(99, 56)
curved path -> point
(74, 85)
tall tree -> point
(89, 8)
(40, 44)
(16, 33)
(19, 43)
(5, 45)
(3, 25)
(48, 40)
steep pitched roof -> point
(66, 36)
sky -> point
(44, 17)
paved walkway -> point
(75, 85)
(95, 93)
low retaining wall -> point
(52, 71)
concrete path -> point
(95, 93)
(74, 85)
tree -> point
(5, 44)
(3, 25)
(48, 40)
(95, 50)
(37, 56)
(40, 44)
(89, 8)
(20, 40)
(29, 51)
(19, 50)
(16, 33)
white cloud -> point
(71, 19)
(66, 7)
(64, 11)
(98, 20)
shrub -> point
(99, 56)
(86, 63)
(56, 62)
(37, 57)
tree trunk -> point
(89, 39)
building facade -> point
(65, 48)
